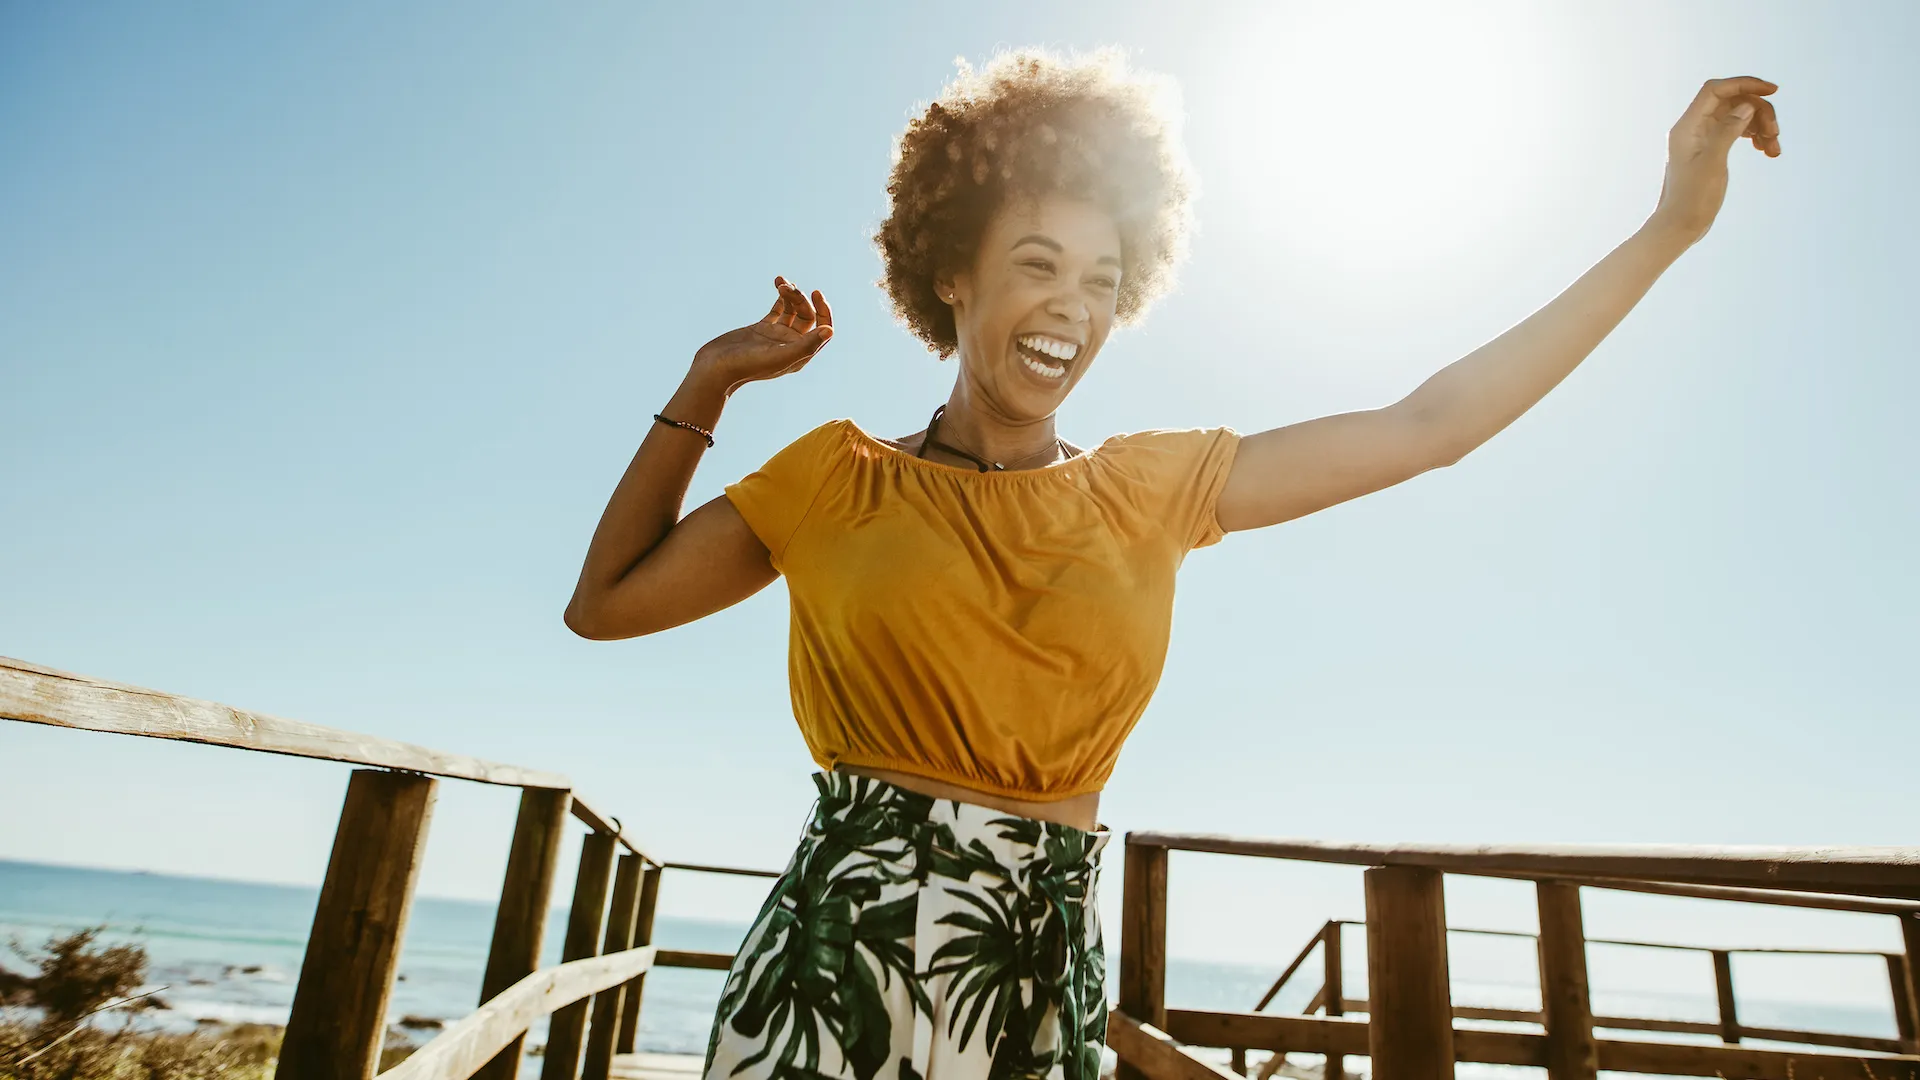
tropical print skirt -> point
(914, 938)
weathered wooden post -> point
(621, 918)
(338, 1022)
(1143, 941)
(1566, 1003)
(1723, 990)
(1910, 1025)
(567, 1028)
(1335, 991)
(642, 935)
(1410, 1029)
(521, 920)
(1903, 1018)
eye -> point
(1045, 266)
(1106, 283)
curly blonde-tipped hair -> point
(1032, 123)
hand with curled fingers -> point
(794, 329)
(1724, 112)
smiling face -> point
(1037, 304)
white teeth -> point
(1042, 369)
(1059, 350)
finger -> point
(801, 306)
(799, 312)
(1730, 126)
(1716, 92)
(820, 308)
(1762, 126)
(1765, 128)
(779, 309)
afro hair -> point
(1030, 124)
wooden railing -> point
(1409, 1031)
(337, 1025)
(1331, 1000)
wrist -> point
(708, 379)
(1662, 234)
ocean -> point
(230, 951)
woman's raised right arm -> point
(647, 568)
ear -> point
(945, 288)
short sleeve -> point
(1177, 475)
(774, 499)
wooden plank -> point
(1316, 1035)
(1890, 872)
(1333, 989)
(1143, 941)
(1732, 894)
(1268, 1031)
(642, 935)
(1410, 1029)
(1723, 991)
(338, 1021)
(1750, 1063)
(622, 914)
(1500, 1047)
(39, 695)
(657, 1067)
(520, 922)
(738, 871)
(487, 1033)
(1148, 1052)
(602, 823)
(685, 958)
(1565, 1006)
(566, 1032)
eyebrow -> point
(1053, 245)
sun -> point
(1372, 134)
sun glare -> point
(1375, 134)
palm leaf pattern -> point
(897, 907)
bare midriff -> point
(1079, 811)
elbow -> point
(595, 624)
(1438, 438)
(581, 621)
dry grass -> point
(68, 1020)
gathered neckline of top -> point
(1080, 458)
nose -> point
(1068, 304)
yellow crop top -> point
(1002, 630)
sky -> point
(325, 334)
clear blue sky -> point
(324, 336)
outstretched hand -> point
(795, 328)
(1724, 112)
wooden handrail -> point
(1776, 897)
(1528, 934)
(39, 695)
(738, 871)
(460, 1050)
(1865, 871)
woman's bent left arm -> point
(1290, 472)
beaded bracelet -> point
(695, 428)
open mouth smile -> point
(1047, 357)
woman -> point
(980, 610)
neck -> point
(975, 425)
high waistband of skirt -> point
(1013, 840)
